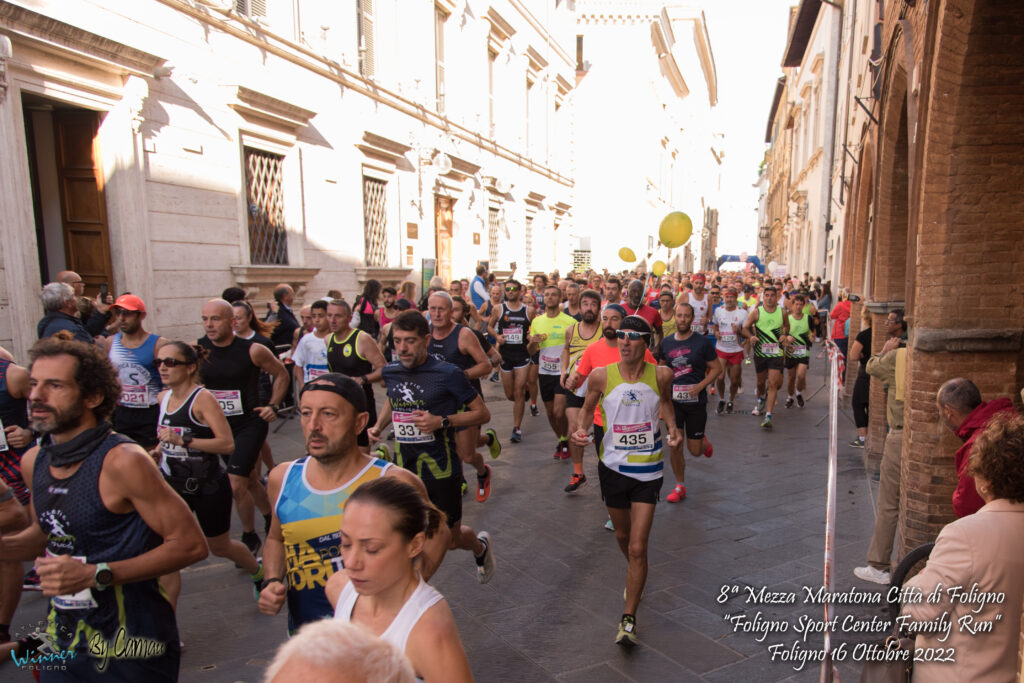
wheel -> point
(899, 574)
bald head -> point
(217, 315)
(284, 294)
(70, 277)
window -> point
(251, 8)
(529, 243)
(440, 17)
(492, 58)
(579, 53)
(375, 221)
(493, 225)
(526, 122)
(364, 26)
(268, 240)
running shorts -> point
(620, 492)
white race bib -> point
(551, 363)
(406, 431)
(798, 351)
(3, 437)
(685, 393)
(171, 450)
(699, 328)
(81, 600)
(230, 401)
(633, 437)
(727, 338)
(770, 349)
(138, 395)
(513, 335)
(314, 371)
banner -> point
(428, 268)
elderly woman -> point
(978, 570)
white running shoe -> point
(871, 574)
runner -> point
(572, 300)
(354, 353)
(305, 326)
(612, 291)
(231, 372)
(578, 337)
(770, 325)
(456, 344)
(667, 311)
(310, 356)
(424, 398)
(630, 394)
(798, 358)
(727, 324)
(695, 366)
(387, 311)
(547, 339)
(700, 300)
(489, 437)
(132, 351)
(106, 521)
(508, 324)
(303, 547)
(635, 305)
(193, 434)
(15, 439)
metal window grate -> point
(493, 224)
(268, 239)
(375, 221)
(529, 243)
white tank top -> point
(700, 309)
(729, 324)
(397, 633)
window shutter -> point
(367, 61)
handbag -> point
(897, 664)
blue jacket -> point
(55, 321)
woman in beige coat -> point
(975, 575)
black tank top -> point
(13, 411)
(514, 323)
(447, 349)
(77, 523)
(186, 469)
(230, 369)
(343, 356)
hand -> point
(674, 437)
(537, 338)
(571, 381)
(890, 344)
(500, 339)
(374, 434)
(18, 437)
(102, 305)
(266, 413)
(156, 454)
(167, 435)
(272, 598)
(426, 422)
(63, 574)
(581, 437)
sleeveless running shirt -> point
(77, 523)
(311, 526)
(629, 412)
(447, 349)
(514, 325)
(13, 412)
(700, 309)
(343, 356)
(187, 469)
(233, 379)
(799, 329)
(551, 348)
(140, 379)
(397, 632)
(729, 324)
(768, 328)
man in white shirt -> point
(310, 355)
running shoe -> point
(728, 407)
(31, 581)
(789, 402)
(558, 451)
(712, 390)
(746, 361)
(721, 407)
(872, 574)
(483, 485)
(739, 390)
(533, 410)
(576, 482)
(382, 452)
(565, 449)
(493, 445)
(485, 564)
(257, 582)
(678, 494)
(608, 525)
(766, 423)
(709, 450)
(800, 400)
(857, 443)
(252, 541)
(627, 631)
(465, 486)
(517, 435)
(495, 378)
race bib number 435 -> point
(633, 437)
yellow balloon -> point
(627, 255)
(675, 229)
(658, 268)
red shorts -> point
(730, 358)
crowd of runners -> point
(124, 454)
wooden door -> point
(444, 226)
(83, 207)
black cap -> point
(339, 384)
(636, 324)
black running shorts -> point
(766, 363)
(620, 492)
(249, 438)
(446, 494)
(212, 505)
(573, 401)
(691, 418)
(792, 362)
(550, 386)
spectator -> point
(478, 290)
(61, 308)
(287, 323)
(366, 308)
(962, 410)
(840, 321)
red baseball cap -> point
(130, 302)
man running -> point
(798, 359)
(630, 394)
(695, 367)
(635, 305)
(509, 324)
(303, 546)
(132, 352)
(425, 396)
(577, 338)
(310, 356)
(547, 339)
(701, 303)
(105, 525)
(231, 372)
(572, 299)
(354, 353)
(727, 324)
(768, 328)
(456, 344)
(612, 291)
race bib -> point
(633, 437)
(770, 349)
(138, 395)
(3, 438)
(727, 338)
(685, 393)
(406, 431)
(699, 329)
(314, 371)
(513, 335)
(81, 600)
(170, 450)
(230, 401)
(550, 364)
(798, 351)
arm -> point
(130, 481)
(535, 340)
(470, 345)
(595, 389)
(30, 542)
(265, 361)
(435, 649)
(476, 413)
(667, 410)
(367, 348)
(492, 326)
(564, 361)
(273, 594)
(18, 387)
(856, 349)
(208, 411)
(12, 514)
(883, 364)
(434, 547)
(747, 331)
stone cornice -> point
(1000, 340)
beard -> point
(331, 451)
(609, 334)
(589, 317)
(57, 421)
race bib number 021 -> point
(406, 431)
(137, 396)
(633, 437)
(230, 401)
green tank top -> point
(801, 331)
(769, 329)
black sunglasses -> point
(169, 362)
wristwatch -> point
(104, 577)
(445, 422)
(186, 438)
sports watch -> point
(104, 577)
(445, 422)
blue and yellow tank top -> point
(311, 526)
